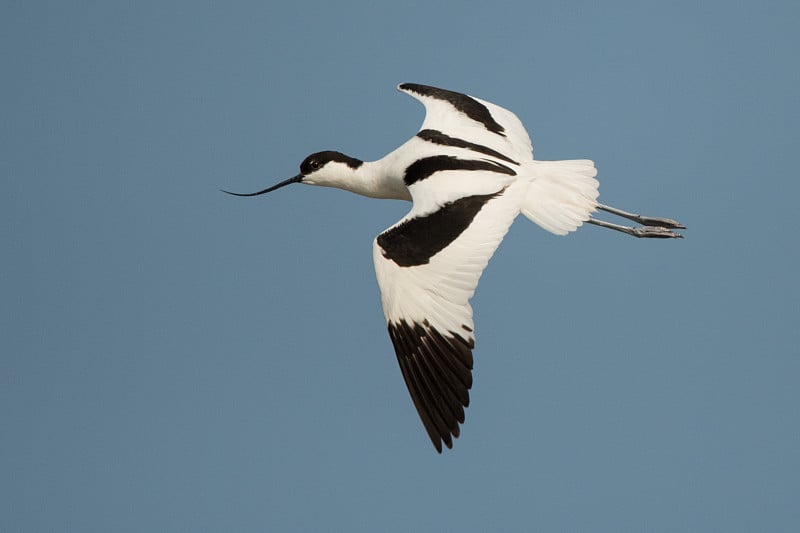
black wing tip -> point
(461, 102)
(409, 86)
(422, 89)
(447, 442)
(446, 439)
(426, 90)
(437, 370)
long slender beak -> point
(296, 179)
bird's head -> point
(328, 169)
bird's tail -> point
(561, 195)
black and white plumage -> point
(469, 172)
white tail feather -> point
(561, 195)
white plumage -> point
(469, 172)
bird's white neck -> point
(374, 179)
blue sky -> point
(175, 359)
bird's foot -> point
(651, 227)
(656, 232)
(646, 231)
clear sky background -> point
(176, 359)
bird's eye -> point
(314, 164)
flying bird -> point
(469, 172)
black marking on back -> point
(415, 241)
(318, 160)
(437, 137)
(462, 102)
(437, 369)
(427, 166)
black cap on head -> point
(318, 160)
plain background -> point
(175, 359)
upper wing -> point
(473, 120)
(428, 265)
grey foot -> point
(652, 232)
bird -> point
(469, 172)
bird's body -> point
(469, 172)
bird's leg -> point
(651, 227)
(644, 221)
